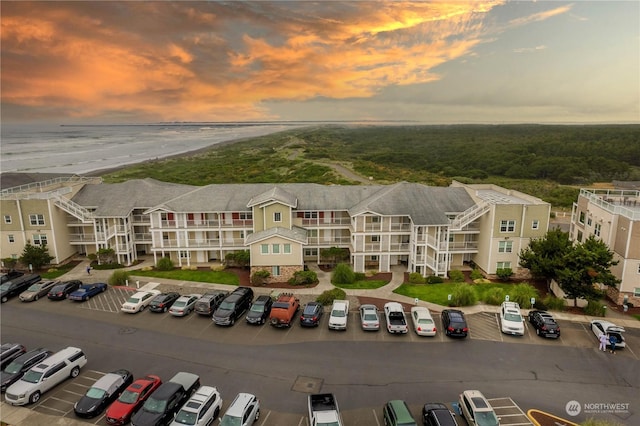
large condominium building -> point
(429, 230)
(613, 216)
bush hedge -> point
(327, 297)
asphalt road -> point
(363, 369)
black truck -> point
(17, 285)
(163, 404)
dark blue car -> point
(87, 291)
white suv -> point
(243, 411)
(511, 321)
(45, 375)
(201, 409)
(477, 410)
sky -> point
(434, 62)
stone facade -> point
(286, 273)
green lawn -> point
(439, 293)
(58, 272)
(217, 277)
(363, 285)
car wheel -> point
(35, 397)
(35, 297)
(142, 308)
(4, 299)
(538, 331)
(233, 321)
(75, 372)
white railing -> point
(622, 202)
(469, 215)
(74, 209)
(40, 186)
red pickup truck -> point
(283, 310)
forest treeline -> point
(547, 161)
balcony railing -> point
(141, 218)
(322, 222)
(203, 223)
(143, 237)
(332, 241)
(82, 238)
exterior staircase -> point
(73, 209)
(469, 215)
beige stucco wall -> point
(259, 259)
(268, 214)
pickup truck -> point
(323, 410)
(284, 310)
(163, 404)
(17, 285)
(396, 321)
(339, 315)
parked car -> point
(311, 314)
(260, 310)
(163, 301)
(511, 321)
(437, 414)
(87, 291)
(243, 411)
(284, 310)
(201, 409)
(139, 301)
(369, 317)
(423, 322)
(102, 393)
(210, 301)
(184, 305)
(454, 323)
(8, 276)
(46, 375)
(17, 285)
(9, 352)
(339, 315)
(394, 315)
(476, 409)
(21, 365)
(62, 290)
(233, 306)
(131, 399)
(397, 413)
(599, 327)
(544, 324)
(37, 290)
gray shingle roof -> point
(276, 194)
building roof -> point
(296, 234)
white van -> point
(44, 376)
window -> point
(11, 238)
(275, 271)
(277, 217)
(535, 224)
(375, 238)
(7, 218)
(184, 254)
(36, 219)
(505, 246)
(507, 225)
(313, 233)
(375, 219)
(589, 221)
(503, 265)
(596, 229)
(39, 239)
(264, 248)
(639, 268)
(311, 252)
(579, 237)
(287, 249)
(636, 292)
(310, 215)
(245, 216)
(581, 219)
(275, 248)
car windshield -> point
(13, 368)
(227, 306)
(186, 417)
(153, 405)
(370, 317)
(486, 418)
(257, 308)
(425, 321)
(5, 286)
(81, 290)
(228, 420)
(337, 313)
(32, 376)
(509, 316)
(34, 287)
(128, 397)
(133, 300)
(179, 304)
(95, 393)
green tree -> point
(545, 256)
(343, 274)
(164, 264)
(36, 256)
(106, 255)
(9, 262)
(333, 255)
(586, 265)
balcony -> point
(203, 224)
(141, 219)
(82, 238)
(322, 222)
(317, 241)
(143, 237)
(464, 247)
(238, 223)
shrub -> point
(456, 276)
(217, 268)
(119, 277)
(164, 264)
(494, 296)
(106, 266)
(92, 257)
(9, 262)
(504, 273)
(522, 294)
(259, 277)
(553, 303)
(434, 279)
(327, 297)
(343, 274)
(304, 278)
(462, 295)
(595, 308)
(476, 274)
(359, 276)
(416, 278)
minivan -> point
(397, 413)
(233, 306)
(45, 375)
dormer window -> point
(277, 217)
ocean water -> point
(83, 149)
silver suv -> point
(243, 411)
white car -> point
(423, 322)
(243, 411)
(599, 327)
(139, 301)
(511, 321)
(184, 305)
(369, 318)
(201, 409)
(339, 315)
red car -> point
(120, 412)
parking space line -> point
(302, 419)
(63, 400)
(53, 409)
(71, 392)
(264, 420)
(375, 416)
